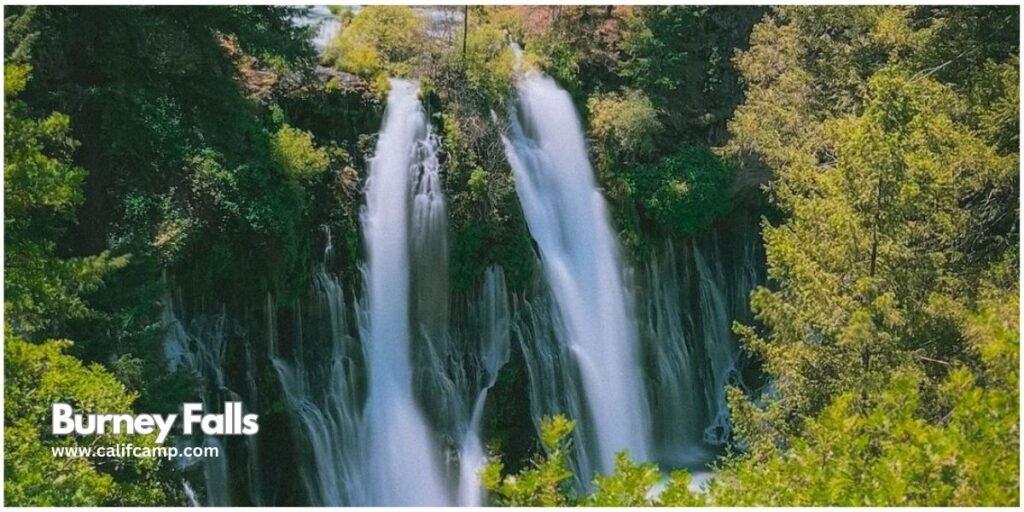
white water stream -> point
(568, 219)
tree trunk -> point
(465, 30)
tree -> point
(680, 56)
(886, 291)
(174, 152)
(296, 153)
(682, 193)
(546, 483)
(893, 452)
(42, 189)
(38, 375)
(869, 150)
(146, 111)
(807, 64)
(156, 133)
(486, 66)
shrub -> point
(624, 123)
(296, 153)
(681, 193)
(381, 41)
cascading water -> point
(555, 386)
(719, 345)
(567, 217)
(384, 387)
(200, 347)
(348, 370)
(676, 385)
(322, 396)
(202, 353)
(452, 373)
(400, 454)
(494, 318)
(687, 305)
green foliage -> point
(178, 157)
(883, 149)
(995, 104)
(295, 152)
(556, 58)
(629, 486)
(34, 178)
(340, 11)
(677, 492)
(488, 61)
(479, 245)
(680, 57)
(554, 431)
(42, 188)
(36, 376)
(682, 193)
(380, 41)
(890, 452)
(807, 64)
(577, 45)
(486, 220)
(625, 124)
(545, 483)
(637, 485)
(168, 146)
(888, 286)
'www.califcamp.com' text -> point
(130, 450)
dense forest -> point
(165, 166)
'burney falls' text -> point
(231, 422)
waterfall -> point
(494, 318)
(719, 344)
(555, 386)
(190, 494)
(402, 461)
(686, 309)
(676, 385)
(321, 394)
(374, 392)
(568, 219)
(200, 349)
(385, 399)
(252, 442)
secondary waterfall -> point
(567, 217)
(493, 319)
(321, 391)
(402, 461)
(200, 349)
(688, 298)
